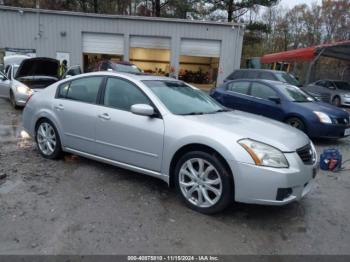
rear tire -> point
(203, 182)
(47, 140)
(297, 123)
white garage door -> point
(97, 43)
(204, 48)
(150, 42)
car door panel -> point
(261, 104)
(129, 138)
(75, 106)
(126, 137)
(77, 123)
(236, 96)
(4, 86)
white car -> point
(25, 75)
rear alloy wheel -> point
(336, 101)
(203, 182)
(48, 141)
(297, 123)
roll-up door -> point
(150, 42)
(98, 43)
(203, 48)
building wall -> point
(43, 32)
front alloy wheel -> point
(48, 140)
(204, 182)
(200, 182)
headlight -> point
(263, 154)
(324, 118)
(347, 95)
(22, 89)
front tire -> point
(13, 100)
(336, 101)
(47, 140)
(203, 182)
(297, 123)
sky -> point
(292, 3)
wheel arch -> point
(195, 147)
(302, 118)
(46, 115)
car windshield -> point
(127, 68)
(343, 85)
(287, 78)
(295, 94)
(182, 99)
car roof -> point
(263, 70)
(139, 77)
(266, 81)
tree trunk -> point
(95, 6)
(230, 10)
(157, 8)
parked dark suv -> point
(118, 66)
(263, 74)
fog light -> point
(283, 193)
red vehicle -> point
(120, 66)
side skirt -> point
(119, 164)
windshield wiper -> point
(192, 114)
(222, 110)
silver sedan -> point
(168, 129)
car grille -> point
(306, 154)
(342, 121)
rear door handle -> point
(105, 116)
(59, 107)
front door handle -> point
(59, 107)
(105, 116)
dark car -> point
(335, 92)
(285, 103)
(273, 75)
(119, 66)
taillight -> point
(29, 97)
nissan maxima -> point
(170, 130)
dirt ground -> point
(78, 206)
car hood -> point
(39, 66)
(330, 110)
(259, 128)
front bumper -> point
(328, 130)
(345, 101)
(21, 99)
(262, 185)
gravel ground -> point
(78, 206)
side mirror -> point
(3, 78)
(142, 109)
(68, 76)
(277, 100)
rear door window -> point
(262, 91)
(241, 87)
(83, 89)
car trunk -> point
(37, 73)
